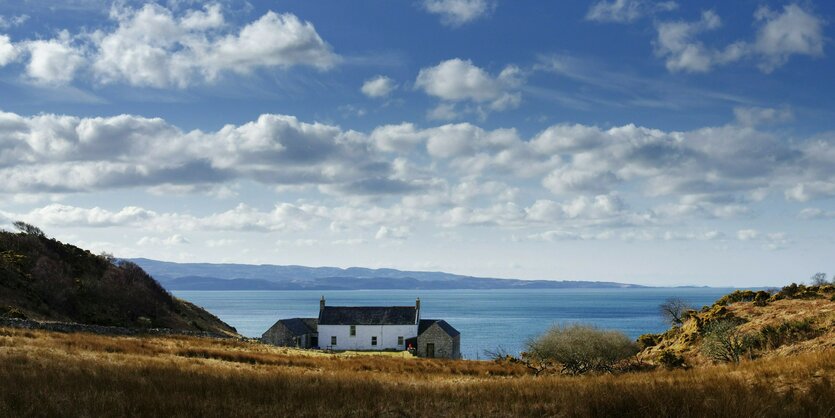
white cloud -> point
(170, 241)
(747, 234)
(274, 40)
(6, 23)
(379, 86)
(209, 18)
(396, 233)
(8, 51)
(623, 11)
(65, 154)
(816, 213)
(808, 190)
(58, 214)
(457, 80)
(458, 12)
(754, 116)
(156, 47)
(793, 32)
(444, 112)
(54, 61)
(677, 43)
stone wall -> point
(101, 329)
(445, 346)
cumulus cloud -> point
(677, 43)
(454, 174)
(396, 233)
(283, 217)
(458, 12)
(816, 213)
(754, 116)
(53, 61)
(65, 154)
(794, 31)
(8, 51)
(379, 86)
(153, 46)
(13, 21)
(624, 11)
(770, 241)
(457, 80)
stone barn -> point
(293, 332)
(437, 339)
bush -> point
(578, 349)
(648, 340)
(724, 342)
(670, 360)
(788, 332)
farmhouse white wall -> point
(386, 336)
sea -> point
(487, 319)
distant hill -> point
(46, 280)
(205, 276)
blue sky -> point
(631, 140)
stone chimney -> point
(417, 308)
(322, 304)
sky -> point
(650, 142)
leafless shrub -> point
(578, 349)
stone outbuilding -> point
(293, 332)
(438, 339)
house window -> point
(399, 340)
(353, 330)
(373, 340)
(333, 339)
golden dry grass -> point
(53, 374)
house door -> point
(430, 350)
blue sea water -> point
(487, 319)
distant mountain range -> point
(205, 276)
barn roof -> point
(447, 328)
(299, 326)
(368, 315)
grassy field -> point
(54, 374)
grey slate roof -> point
(426, 323)
(300, 326)
(368, 315)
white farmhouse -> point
(368, 328)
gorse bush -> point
(724, 342)
(772, 337)
(648, 340)
(578, 349)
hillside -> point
(46, 280)
(206, 276)
(762, 325)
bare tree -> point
(673, 310)
(818, 279)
